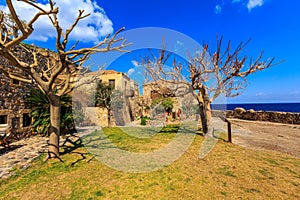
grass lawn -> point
(228, 172)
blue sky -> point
(272, 26)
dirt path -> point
(284, 138)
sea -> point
(274, 107)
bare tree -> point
(51, 72)
(207, 74)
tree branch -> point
(69, 30)
(14, 76)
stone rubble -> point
(21, 154)
(24, 151)
(279, 117)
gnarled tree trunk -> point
(205, 109)
(55, 107)
(205, 116)
(108, 117)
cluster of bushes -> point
(40, 112)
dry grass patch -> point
(228, 172)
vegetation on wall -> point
(166, 103)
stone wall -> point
(153, 90)
(280, 117)
(96, 116)
(13, 93)
(179, 92)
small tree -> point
(52, 72)
(109, 98)
(207, 75)
(165, 103)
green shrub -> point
(166, 103)
(144, 121)
(40, 112)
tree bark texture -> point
(205, 109)
(109, 117)
(205, 116)
(55, 108)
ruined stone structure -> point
(157, 89)
(180, 93)
(13, 110)
(280, 117)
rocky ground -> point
(21, 154)
(283, 138)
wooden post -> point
(229, 130)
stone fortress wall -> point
(279, 117)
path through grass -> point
(228, 172)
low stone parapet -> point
(280, 117)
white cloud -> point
(179, 43)
(218, 9)
(254, 3)
(130, 71)
(250, 4)
(90, 29)
(135, 63)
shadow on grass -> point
(96, 142)
(200, 133)
(70, 145)
(170, 129)
(219, 136)
(73, 143)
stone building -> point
(13, 111)
(181, 94)
(128, 96)
(128, 90)
(13, 93)
(161, 88)
(15, 114)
